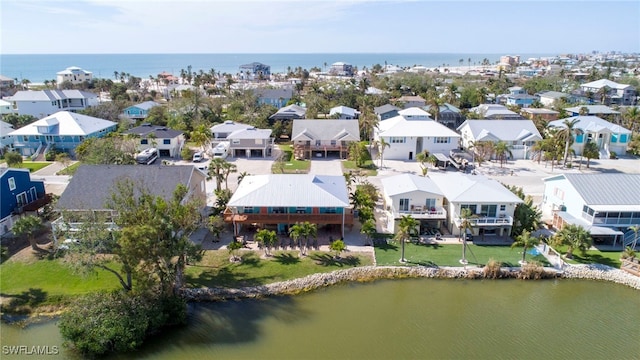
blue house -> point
(18, 193)
(63, 130)
(139, 111)
(275, 97)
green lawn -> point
(34, 165)
(291, 165)
(369, 168)
(449, 255)
(71, 169)
(611, 258)
(216, 270)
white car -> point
(197, 157)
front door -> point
(410, 155)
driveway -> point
(326, 167)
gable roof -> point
(553, 94)
(159, 132)
(505, 130)
(401, 126)
(5, 128)
(385, 109)
(405, 183)
(50, 95)
(345, 110)
(414, 112)
(598, 84)
(463, 188)
(228, 127)
(144, 105)
(91, 186)
(605, 189)
(592, 124)
(68, 123)
(325, 129)
(490, 110)
(291, 110)
(446, 107)
(266, 93)
(250, 133)
(593, 109)
(290, 190)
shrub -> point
(531, 271)
(492, 270)
(613, 155)
(187, 154)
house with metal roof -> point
(408, 136)
(386, 111)
(220, 132)
(520, 135)
(610, 92)
(290, 112)
(601, 111)
(323, 138)
(281, 200)
(539, 113)
(491, 204)
(74, 75)
(606, 205)
(550, 98)
(496, 112)
(46, 102)
(250, 142)
(409, 101)
(608, 136)
(90, 189)
(449, 115)
(5, 140)
(415, 196)
(63, 130)
(277, 97)
(169, 142)
(344, 113)
(255, 71)
(139, 111)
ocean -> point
(38, 68)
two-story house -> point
(448, 115)
(413, 132)
(344, 113)
(18, 193)
(250, 143)
(46, 102)
(5, 140)
(608, 136)
(6, 108)
(490, 203)
(386, 111)
(289, 112)
(604, 204)
(255, 71)
(277, 97)
(221, 132)
(539, 113)
(139, 111)
(601, 111)
(520, 135)
(74, 75)
(281, 200)
(609, 92)
(495, 111)
(409, 101)
(341, 69)
(63, 130)
(323, 138)
(169, 142)
(415, 196)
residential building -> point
(221, 132)
(449, 115)
(139, 111)
(5, 140)
(289, 112)
(520, 135)
(609, 137)
(63, 130)
(6, 82)
(18, 194)
(495, 111)
(341, 69)
(168, 142)
(92, 186)
(279, 201)
(46, 102)
(250, 143)
(74, 75)
(606, 205)
(344, 113)
(410, 101)
(601, 111)
(521, 100)
(409, 135)
(323, 138)
(539, 113)
(491, 204)
(275, 97)
(385, 112)
(551, 98)
(6, 108)
(415, 196)
(609, 92)
(255, 71)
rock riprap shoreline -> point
(371, 273)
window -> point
(166, 141)
(144, 141)
(488, 210)
(397, 140)
(503, 207)
(473, 208)
(614, 138)
(579, 138)
(430, 203)
(318, 142)
(235, 141)
(21, 199)
(441, 140)
(333, 143)
(404, 204)
(12, 183)
(623, 138)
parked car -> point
(197, 157)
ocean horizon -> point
(40, 67)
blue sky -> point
(300, 26)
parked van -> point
(221, 151)
(197, 157)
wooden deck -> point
(289, 218)
(631, 266)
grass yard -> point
(34, 165)
(369, 168)
(216, 270)
(610, 258)
(290, 165)
(71, 169)
(449, 255)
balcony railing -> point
(419, 212)
(486, 220)
(289, 218)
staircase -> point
(604, 154)
(629, 238)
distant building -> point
(6, 82)
(74, 75)
(289, 112)
(496, 112)
(46, 102)
(386, 111)
(410, 101)
(255, 71)
(168, 142)
(344, 112)
(608, 136)
(543, 114)
(609, 92)
(139, 111)
(449, 115)
(275, 97)
(341, 69)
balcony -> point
(289, 218)
(486, 220)
(421, 212)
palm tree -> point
(309, 231)
(636, 230)
(382, 144)
(465, 226)
(216, 171)
(502, 149)
(338, 246)
(267, 238)
(227, 169)
(575, 237)
(406, 228)
(201, 136)
(631, 118)
(302, 230)
(526, 241)
(368, 121)
(566, 134)
(28, 226)
(422, 159)
(368, 229)
(590, 151)
(242, 175)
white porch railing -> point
(485, 220)
(35, 154)
(418, 212)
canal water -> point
(401, 319)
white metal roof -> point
(228, 127)
(505, 130)
(68, 123)
(287, 190)
(250, 133)
(474, 189)
(405, 183)
(400, 126)
(592, 123)
(325, 129)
